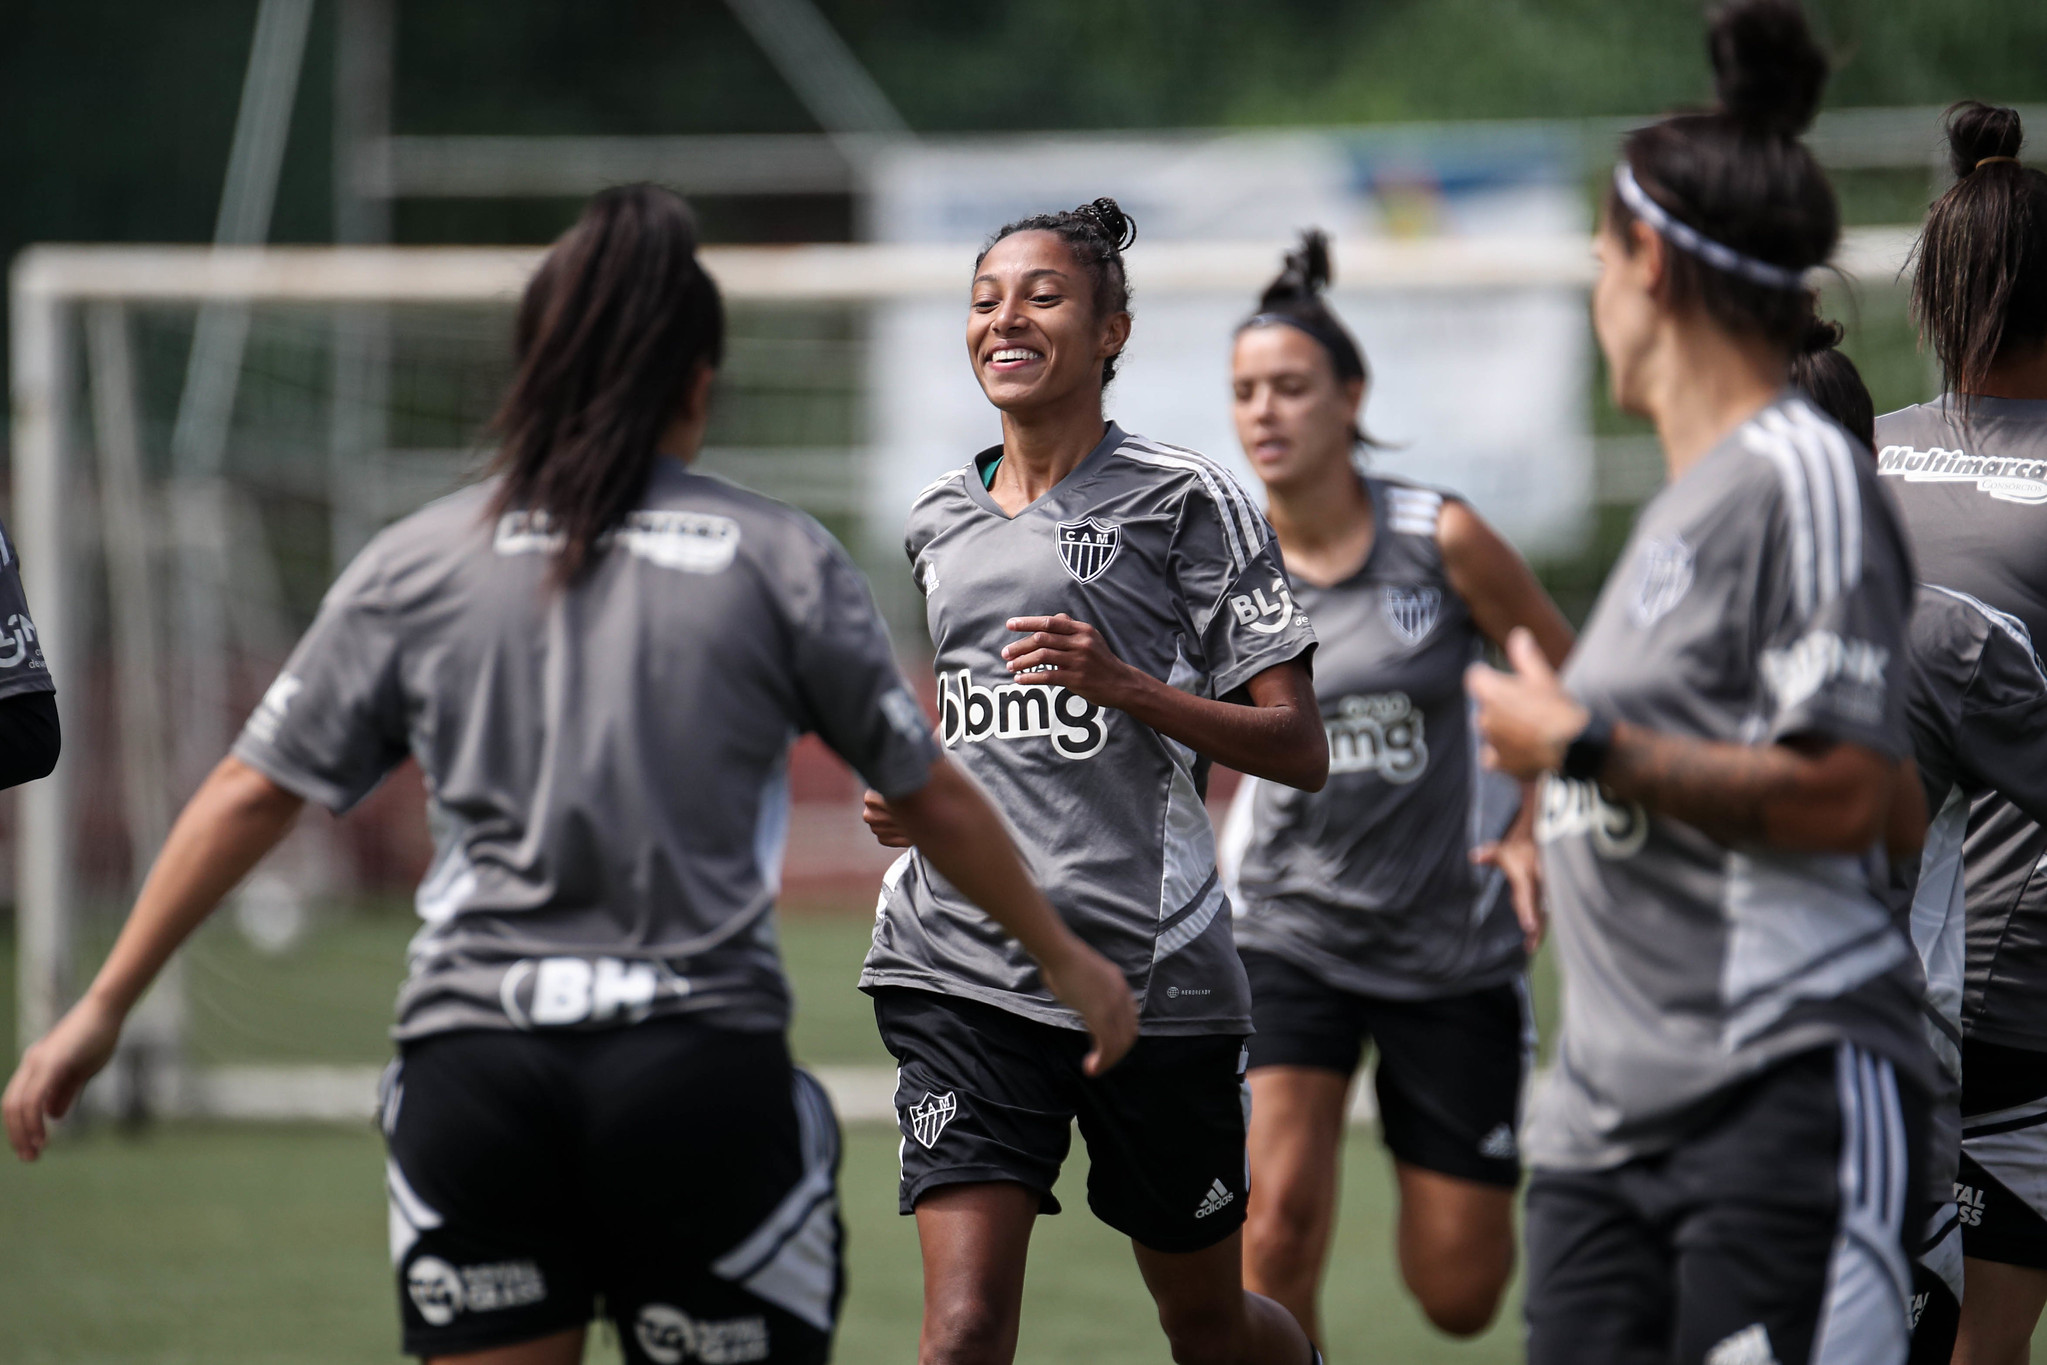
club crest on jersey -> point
(1087, 547)
(928, 1118)
(1666, 576)
(1412, 612)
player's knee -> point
(1286, 1230)
(1203, 1334)
(965, 1331)
(1460, 1306)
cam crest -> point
(929, 1117)
(1665, 576)
(1088, 547)
(1412, 612)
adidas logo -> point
(1218, 1196)
(1499, 1144)
(1749, 1346)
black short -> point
(685, 1176)
(1450, 1070)
(2004, 1155)
(983, 1094)
(1750, 1240)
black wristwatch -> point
(1586, 755)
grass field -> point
(240, 1245)
(248, 1245)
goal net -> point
(203, 438)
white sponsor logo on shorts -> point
(1499, 1144)
(1219, 1196)
(440, 1291)
(1749, 1346)
(928, 1119)
(670, 1336)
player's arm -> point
(235, 817)
(1802, 794)
(1278, 735)
(952, 824)
(1497, 585)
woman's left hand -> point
(1058, 651)
(1521, 865)
(1526, 718)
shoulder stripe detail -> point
(1833, 445)
(1413, 511)
(2011, 625)
(1825, 506)
(1250, 520)
(1233, 532)
(937, 485)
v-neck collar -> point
(979, 493)
(1376, 496)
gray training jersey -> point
(1368, 883)
(1162, 552)
(1762, 596)
(22, 669)
(606, 764)
(1974, 500)
(1978, 714)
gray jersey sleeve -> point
(333, 723)
(849, 688)
(2001, 728)
(22, 668)
(1832, 600)
(1238, 616)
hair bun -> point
(1823, 335)
(1306, 273)
(1767, 67)
(1976, 130)
(1116, 225)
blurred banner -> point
(1484, 392)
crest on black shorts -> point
(1666, 577)
(928, 1119)
(1412, 612)
(1086, 547)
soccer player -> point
(1108, 615)
(1726, 1160)
(599, 659)
(1360, 913)
(1970, 473)
(30, 735)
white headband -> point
(1687, 238)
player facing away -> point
(1969, 471)
(599, 659)
(1726, 1161)
(1108, 615)
(1360, 913)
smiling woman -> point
(1108, 615)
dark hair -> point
(613, 327)
(1830, 379)
(1097, 234)
(1294, 299)
(1739, 176)
(1980, 287)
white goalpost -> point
(165, 593)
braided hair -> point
(1097, 234)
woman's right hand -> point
(888, 831)
(53, 1071)
(1093, 987)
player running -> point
(1360, 914)
(1970, 473)
(1726, 1159)
(1108, 615)
(599, 660)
